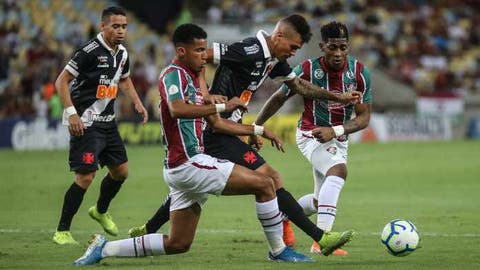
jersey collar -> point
(261, 37)
(184, 67)
(104, 44)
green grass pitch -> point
(434, 184)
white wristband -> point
(220, 107)
(258, 130)
(70, 111)
(339, 130)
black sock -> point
(108, 190)
(290, 207)
(161, 217)
(71, 202)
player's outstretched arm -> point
(273, 104)
(229, 127)
(127, 86)
(311, 91)
(179, 109)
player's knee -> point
(265, 186)
(179, 247)
(119, 173)
(84, 180)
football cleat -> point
(93, 254)
(290, 255)
(64, 238)
(288, 234)
(315, 249)
(138, 231)
(334, 240)
(105, 220)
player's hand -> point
(273, 139)
(350, 97)
(141, 110)
(75, 125)
(215, 99)
(323, 134)
(235, 103)
(255, 141)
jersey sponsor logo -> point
(102, 118)
(104, 91)
(332, 105)
(90, 47)
(318, 74)
(88, 158)
(253, 86)
(249, 157)
(246, 96)
(173, 89)
(258, 64)
(251, 49)
(102, 61)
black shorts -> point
(97, 146)
(231, 148)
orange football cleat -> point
(288, 234)
(315, 249)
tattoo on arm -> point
(309, 90)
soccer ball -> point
(400, 237)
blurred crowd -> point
(433, 46)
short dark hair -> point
(106, 13)
(187, 32)
(334, 29)
(300, 25)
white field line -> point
(239, 232)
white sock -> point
(306, 202)
(271, 220)
(147, 245)
(327, 202)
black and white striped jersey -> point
(97, 69)
(244, 66)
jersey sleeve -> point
(173, 85)
(365, 85)
(126, 68)
(238, 52)
(300, 72)
(282, 72)
(78, 63)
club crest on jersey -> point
(332, 150)
(173, 89)
(350, 75)
(350, 86)
(318, 74)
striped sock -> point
(271, 220)
(327, 202)
(147, 245)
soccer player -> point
(190, 174)
(322, 133)
(98, 70)
(243, 68)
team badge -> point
(351, 86)
(172, 90)
(332, 150)
(350, 75)
(318, 74)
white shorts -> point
(192, 181)
(322, 156)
